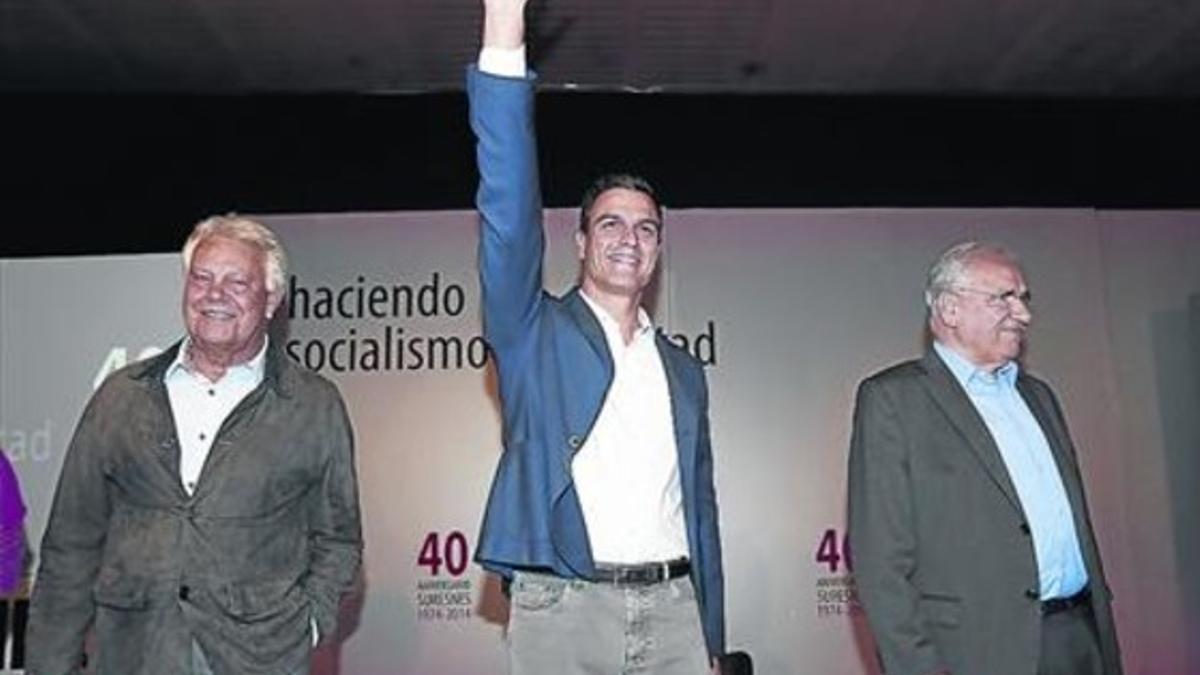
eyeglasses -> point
(998, 300)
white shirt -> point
(627, 472)
(503, 62)
(200, 406)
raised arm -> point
(511, 241)
(504, 24)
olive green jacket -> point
(268, 542)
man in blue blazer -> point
(602, 516)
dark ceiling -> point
(1079, 48)
(120, 131)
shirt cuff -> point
(316, 633)
(502, 62)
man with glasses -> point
(974, 551)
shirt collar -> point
(612, 330)
(968, 374)
(254, 368)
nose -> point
(215, 290)
(1020, 309)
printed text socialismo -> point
(390, 349)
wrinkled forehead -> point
(220, 252)
(996, 270)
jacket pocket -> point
(258, 601)
(121, 593)
(940, 610)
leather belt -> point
(642, 574)
(1056, 605)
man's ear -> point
(581, 243)
(946, 307)
(273, 303)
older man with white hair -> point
(206, 519)
(973, 548)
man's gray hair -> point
(951, 266)
(252, 232)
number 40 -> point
(453, 553)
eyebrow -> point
(608, 215)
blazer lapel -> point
(1058, 440)
(589, 326)
(592, 370)
(685, 408)
(156, 423)
(953, 401)
(166, 436)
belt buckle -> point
(647, 574)
(644, 574)
(630, 575)
(1056, 605)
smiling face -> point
(986, 316)
(619, 248)
(226, 305)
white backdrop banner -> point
(789, 309)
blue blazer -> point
(554, 372)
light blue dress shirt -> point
(1031, 468)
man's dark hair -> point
(610, 181)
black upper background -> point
(93, 174)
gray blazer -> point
(943, 557)
(269, 540)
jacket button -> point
(1032, 593)
(183, 592)
(1025, 528)
(574, 441)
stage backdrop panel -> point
(789, 309)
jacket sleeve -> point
(882, 534)
(62, 606)
(511, 241)
(335, 531)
